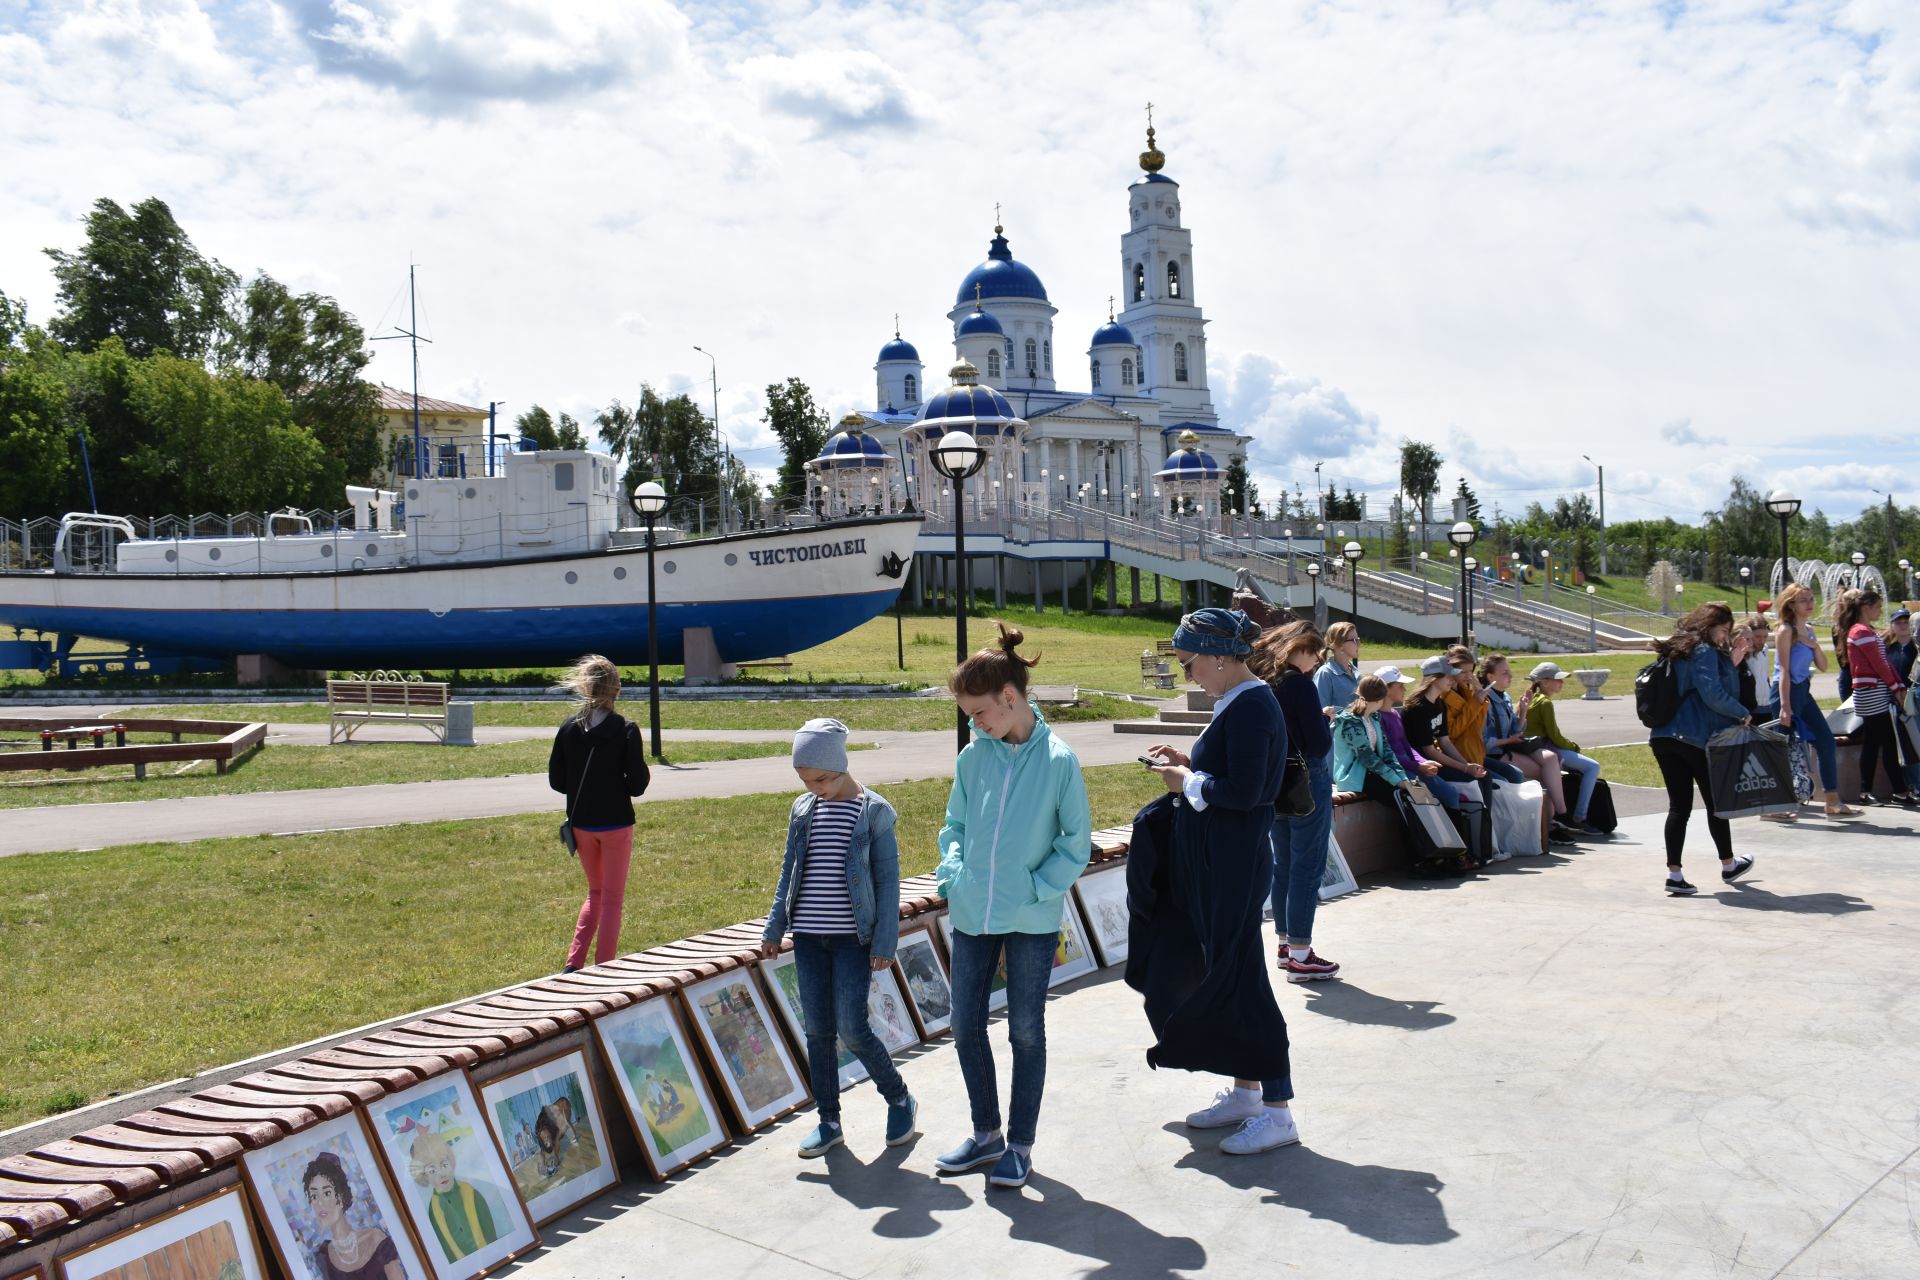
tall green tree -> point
(1420, 475)
(1467, 495)
(662, 439)
(139, 278)
(800, 427)
(548, 432)
(37, 464)
(316, 353)
(1243, 495)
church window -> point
(1139, 281)
(1046, 353)
(913, 389)
(1179, 362)
(1033, 357)
(993, 364)
(1096, 375)
(1009, 353)
(1126, 372)
(1173, 279)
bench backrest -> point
(388, 695)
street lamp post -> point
(1519, 586)
(1603, 512)
(1425, 592)
(726, 473)
(1858, 560)
(649, 500)
(958, 457)
(1468, 567)
(1354, 552)
(1906, 570)
(1313, 576)
(1745, 573)
(1784, 507)
(1593, 636)
(1462, 536)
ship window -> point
(1173, 279)
(326, 552)
(572, 577)
(373, 548)
(563, 475)
(1179, 362)
(620, 574)
(213, 553)
(913, 389)
(1126, 373)
(669, 566)
(172, 556)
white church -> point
(1101, 426)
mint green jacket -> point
(1017, 835)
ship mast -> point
(412, 334)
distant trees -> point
(1420, 475)
(539, 426)
(1242, 494)
(801, 428)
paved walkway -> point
(1550, 1070)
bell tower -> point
(1157, 281)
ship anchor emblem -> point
(891, 565)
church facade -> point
(1101, 420)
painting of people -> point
(548, 1120)
(327, 1207)
(754, 1066)
(665, 1094)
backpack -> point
(1656, 693)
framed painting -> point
(1337, 878)
(548, 1120)
(997, 992)
(1103, 901)
(1072, 957)
(660, 1084)
(783, 983)
(327, 1207)
(452, 1177)
(31, 1273)
(210, 1239)
(757, 1074)
(924, 975)
(888, 1013)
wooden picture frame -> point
(997, 993)
(662, 1086)
(1337, 877)
(1103, 905)
(1072, 956)
(440, 1152)
(35, 1272)
(547, 1118)
(890, 1013)
(782, 980)
(923, 975)
(212, 1237)
(294, 1211)
(734, 1023)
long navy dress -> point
(1196, 881)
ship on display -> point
(533, 566)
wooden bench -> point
(1155, 672)
(385, 697)
(231, 740)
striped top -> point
(1872, 673)
(821, 904)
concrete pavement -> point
(1550, 1070)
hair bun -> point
(1011, 638)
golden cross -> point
(1149, 115)
(1109, 309)
(976, 297)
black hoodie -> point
(619, 770)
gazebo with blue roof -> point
(852, 474)
(1191, 480)
(986, 415)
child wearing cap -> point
(1547, 679)
(839, 895)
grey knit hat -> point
(821, 744)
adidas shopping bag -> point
(1749, 773)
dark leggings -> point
(1876, 749)
(1683, 767)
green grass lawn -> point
(300, 768)
(142, 963)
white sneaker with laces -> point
(1271, 1128)
(1228, 1108)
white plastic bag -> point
(1516, 817)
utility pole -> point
(1319, 494)
(1603, 513)
(412, 333)
(726, 474)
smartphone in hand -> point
(1152, 762)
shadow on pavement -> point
(1052, 1213)
(1754, 898)
(1393, 1206)
(910, 1202)
(1349, 1003)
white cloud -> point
(1680, 432)
(840, 91)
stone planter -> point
(1592, 680)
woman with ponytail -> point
(598, 763)
(1796, 656)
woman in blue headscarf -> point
(1201, 868)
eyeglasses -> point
(1186, 664)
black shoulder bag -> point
(1296, 792)
(566, 828)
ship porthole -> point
(472, 492)
(732, 559)
(326, 552)
(669, 566)
(172, 556)
(572, 577)
(213, 553)
(373, 548)
(620, 574)
(413, 495)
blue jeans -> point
(1589, 770)
(976, 957)
(1500, 771)
(1300, 858)
(1807, 712)
(834, 979)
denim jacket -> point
(1709, 697)
(873, 874)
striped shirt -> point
(821, 904)
(1867, 659)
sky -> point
(1682, 239)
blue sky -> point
(1681, 238)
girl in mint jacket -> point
(1017, 835)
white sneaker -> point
(1263, 1132)
(1500, 855)
(1228, 1108)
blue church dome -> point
(852, 449)
(984, 410)
(1113, 334)
(1189, 462)
(899, 349)
(977, 322)
(1000, 276)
